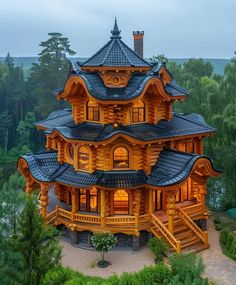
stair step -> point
(184, 235)
(190, 240)
(181, 229)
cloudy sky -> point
(176, 28)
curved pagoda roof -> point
(172, 168)
(115, 53)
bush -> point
(187, 266)
(230, 239)
(218, 227)
(223, 236)
(216, 219)
(158, 247)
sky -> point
(175, 28)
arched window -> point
(138, 112)
(71, 152)
(121, 202)
(83, 158)
(93, 112)
(120, 157)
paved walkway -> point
(84, 260)
(219, 268)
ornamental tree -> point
(103, 242)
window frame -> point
(94, 111)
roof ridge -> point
(97, 52)
(189, 120)
(142, 59)
(108, 51)
(119, 42)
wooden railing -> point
(116, 221)
(51, 216)
(166, 233)
(203, 235)
(194, 209)
(65, 214)
(87, 219)
(120, 221)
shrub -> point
(230, 239)
(218, 227)
(224, 235)
(187, 266)
(216, 219)
(158, 247)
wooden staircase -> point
(187, 235)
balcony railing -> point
(114, 221)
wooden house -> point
(121, 160)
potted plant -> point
(158, 247)
(103, 242)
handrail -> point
(166, 233)
(87, 218)
(51, 216)
(203, 235)
(193, 209)
(120, 221)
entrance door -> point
(121, 203)
(157, 200)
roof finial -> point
(115, 32)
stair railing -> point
(203, 235)
(166, 233)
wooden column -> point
(29, 185)
(73, 203)
(44, 199)
(137, 200)
(103, 207)
(171, 209)
(202, 192)
(150, 200)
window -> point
(121, 202)
(120, 158)
(88, 200)
(138, 112)
(71, 152)
(93, 112)
(83, 158)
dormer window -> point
(83, 158)
(93, 112)
(120, 158)
(138, 112)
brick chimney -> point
(138, 42)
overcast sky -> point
(176, 28)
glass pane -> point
(121, 158)
(82, 200)
(121, 202)
(93, 203)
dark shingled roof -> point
(172, 167)
(178, 126)
(116, 53)
(135, 86)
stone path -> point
(219, 268)
(84, 260)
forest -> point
(26, 100)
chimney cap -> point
(138, 32)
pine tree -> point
(11, 203)
(50, 73)
(37, 243)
